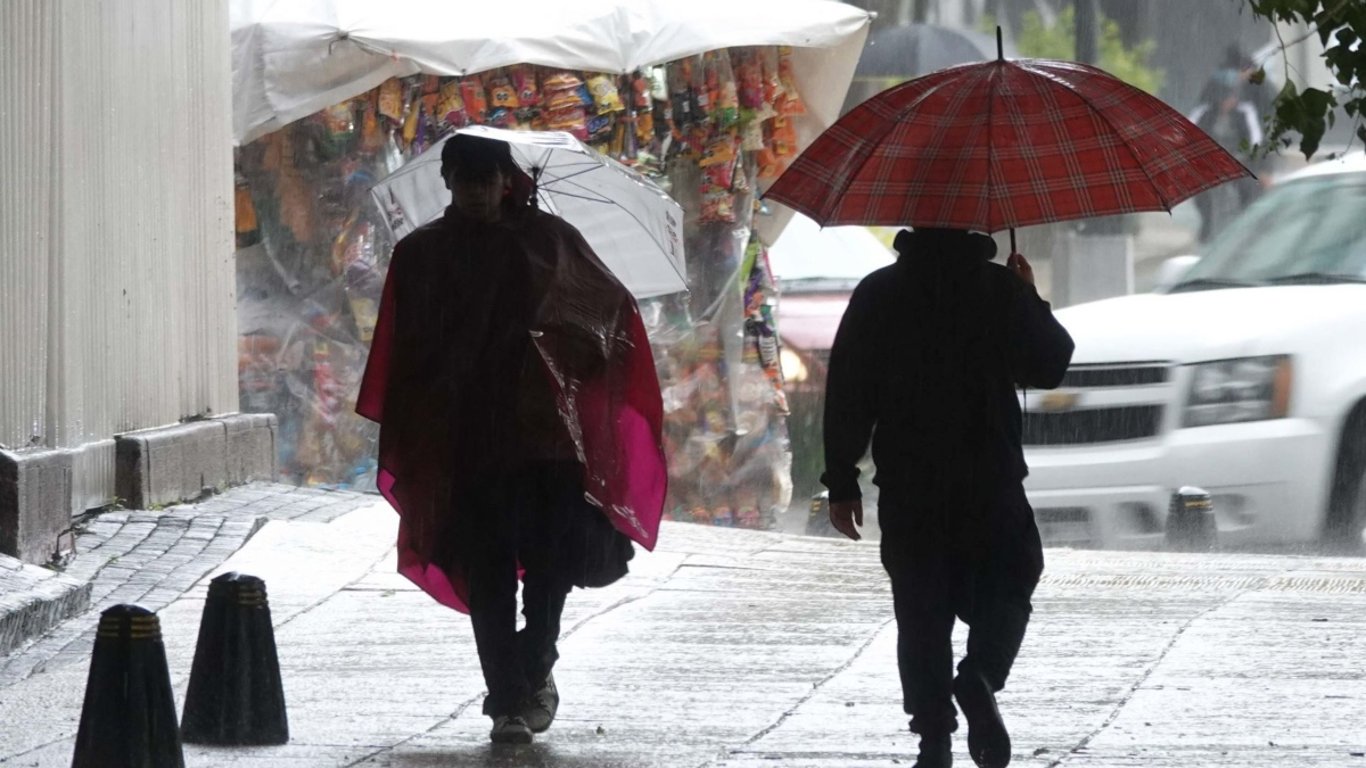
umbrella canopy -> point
(632, 224)
(1003, 144)
(294, 57)
(917, 49)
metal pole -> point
(1088, 52)
(1087, 32)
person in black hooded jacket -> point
(925, 365)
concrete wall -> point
(116, 273)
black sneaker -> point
(510, 729)
(988, 741)
(540, 710)
(936, 751)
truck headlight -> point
(1245, 389)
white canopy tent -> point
(292, 58)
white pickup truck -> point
(1244, 376)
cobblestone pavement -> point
(153, 557)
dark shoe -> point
(988, 741)
(935, 752)
(510, 729)
(540, 710)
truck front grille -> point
(1100, 425)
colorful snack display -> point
(706, 128)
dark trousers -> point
(518, 518)
(976, 558)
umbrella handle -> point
(1012, 242)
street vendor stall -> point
(708, 99)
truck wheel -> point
(1345, 530)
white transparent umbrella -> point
(632, 224)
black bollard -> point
(1190, 521)
(235, 695)
(128, 719)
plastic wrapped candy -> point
(606, 97)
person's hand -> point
(1018, 264)
(847, 517)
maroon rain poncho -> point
(502, 343)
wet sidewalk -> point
(737, 649)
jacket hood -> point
(949, 244)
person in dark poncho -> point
(520, 421)
(925, 364)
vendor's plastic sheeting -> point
(631, 224)
(292, 58)
(725, 429)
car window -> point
(1313, 225)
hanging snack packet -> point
(749, 78)
(476, 100)
(606, 97)
(645, 126)
(770, 167)
(599, 127)
(560, 91)
(784, 137)
(719, 153)
(524, 80)
(704, 87)
(451, 106)
(391, 99)
(718, 206)
(791, 103)
(640, 90)
(727, 100)
(411, 112)
(502, 94)
(573, 119)
(371, 138)
(752, 136)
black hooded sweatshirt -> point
(925, 363)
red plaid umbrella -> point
(1003, 144)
